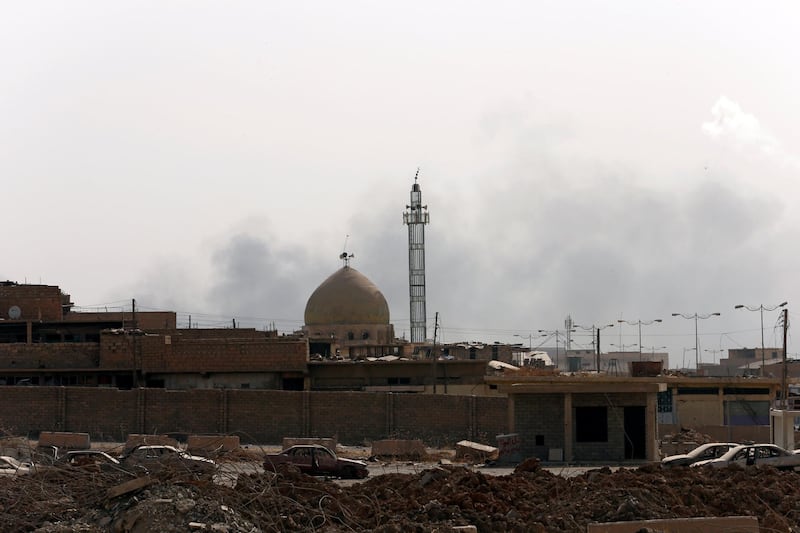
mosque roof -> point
(346, 297)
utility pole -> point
(597, 350)
(784, 388)
(135, 383)
(433, 350)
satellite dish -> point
(14, 312)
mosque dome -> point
(346, 297)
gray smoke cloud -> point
(541, 237)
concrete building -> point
(611, 418)
(44, 342)
(579, 419)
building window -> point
(591, 424)
(365, 335)
(539, 440)
(350, 335)
(473, 352)
(495, 353)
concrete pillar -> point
(306, 413)
(568, 438)
(389, 413)
(651, 427)
(511, 417)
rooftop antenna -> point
(344, 256)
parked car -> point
(154, 458)
(704, 452)
(316, 460)
(9, 466)
(755, 454)
(89, 460)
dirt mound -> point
(531, 499)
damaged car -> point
(316, 460)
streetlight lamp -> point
(714, 354)
(623, 346)
(654, 348)
(530, 340)
(761, 308)
(640, 323)
(695, 317)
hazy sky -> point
(602, 160)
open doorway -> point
(634, 426)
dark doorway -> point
(635, 432)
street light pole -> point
(714, 354)
(623, 346)
(696, 316)
(530, 340)
(530, 343)
(554, 333)
(595, 340)
(640, 323)
(761, 308)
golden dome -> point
(346, 297)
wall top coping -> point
(584, 388)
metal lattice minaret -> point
(416, 216)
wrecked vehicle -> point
(755, 454)
(89, 460)
(704, 452)
(10, 467)
(154, 458)
(316, 460)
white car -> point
(756, 454)
(704, 452)
(13, 467)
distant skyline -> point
(604, 161)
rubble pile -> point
(688, 435)
(530, 499)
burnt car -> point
(316, 460)
(155, 458)
(704, 452)
(89, 460)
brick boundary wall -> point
(256, 416)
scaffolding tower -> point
(416, 216)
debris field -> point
(531, 499)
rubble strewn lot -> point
(530, 499)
